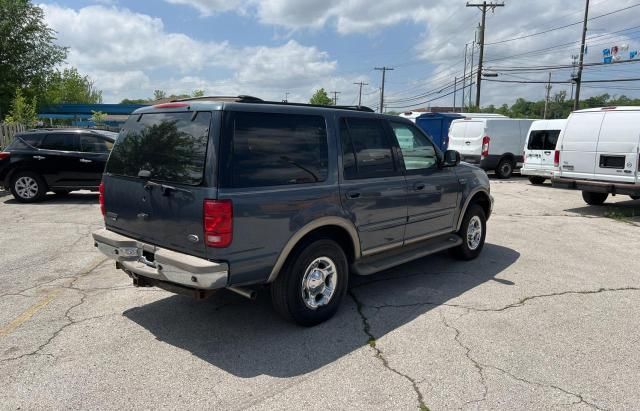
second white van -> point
(539, 149)
(598, 153)
(491, 143)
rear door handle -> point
(84, 160)
(39, 157)
(419, 186)
(547, 152)
(353, 194)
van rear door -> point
(155, 181)
(617, 152)
(465, 136)
(579, 144)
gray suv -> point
(238, 193)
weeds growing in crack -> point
(371, 341)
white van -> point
(598, 153)
(539, 149)
(491, 143)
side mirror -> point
(451, 158)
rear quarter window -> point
(270, 149)
(24, 141)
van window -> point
(366, 149)
(270, 149)
(417, 151)
(171, 146)
(543, 139)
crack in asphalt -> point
(380, 355)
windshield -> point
(168, 147)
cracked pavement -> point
(547, 317)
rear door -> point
(465, 136)
(58, 160)
(157, 178)
(94, 153)
(432, 191)
(374, 190)
(617, 151)
(548, 149)
(579, 145)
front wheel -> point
(505, 168)
(312, 284)
(535, 180)
(28, 187)
(592, 198)
(473, 231)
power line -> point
(615, 80)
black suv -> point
(236, 193)
(58, 160)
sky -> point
(277, 49)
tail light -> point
(4, 154)
(485, 146)
(218, 223)
(101, 199)
(524, 156)
(556, 158)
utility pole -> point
(546, 99)
(335, 97)
(286, 97)
(360, 92)
(384, 71)
(483, 8)
(576, 101)
(464, 73)
(473, 49)
(455, 91)
(574, 63)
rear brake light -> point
(485, 146)
(101, 199)
(218, 223)
(4, 154)
(171, 105)
(556, 158)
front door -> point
(373, 189)
(94, 151)
(432, 191)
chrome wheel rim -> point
(474, 232)
(319, 282)
(26, 187)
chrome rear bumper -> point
(167, 265)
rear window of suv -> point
(270, 149)
(172, 147)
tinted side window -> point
(552, 139)
(277, 149)
(93, 144)
(536, 140)
(417, 151)
(24, 141)
(370, 148)
(60, 142)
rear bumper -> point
(596, 186)
(167, 266)
(537, 172)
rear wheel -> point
(505, 168)
(28, 187)
(312, 284)
(473, 231)
(536, 180)
(592, 198)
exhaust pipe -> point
(245, 292)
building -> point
(80, 114)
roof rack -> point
(256, 100)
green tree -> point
(27, 50)
(159, 95)
(135, 101)
(98, 117)
(22, 112)
(321, 98)
(197, 93)
(69, 86)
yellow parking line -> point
(29, 313)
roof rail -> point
(256, 100)
(236, 99)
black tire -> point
(505, 168)
(635, 197)
(592, 198)
(536, 180)
(287, 290)
(28, 187)
(466, 251)
(61, 193)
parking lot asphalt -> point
(547, 317)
